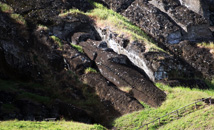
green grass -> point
(18, 18)
(201, 120)
(79, 48)
(176, 98)
(57, 40)
(6, 8)
(90, 70)
(42, 27)
(117, 23)
(209, 45)
(59, 125)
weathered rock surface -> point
(45, 11)
(196, 26)
(199, 58)
(118, 5)
(198, 6)
(154, 22)
(109, 93)
(203, 7)
(167, 20)
(115, 68)
(78, 62)
(157, 65)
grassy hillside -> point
(176, 98)
(59, 125)
(200, 120)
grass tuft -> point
(79, 48)
(209, 45)
(71, 11)
(42, 27)
(57, 40)
(90, 70)
(18, 18)
(6, 8)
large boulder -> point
(153, 21)
(198, 57)
(195, 26)
(158, 65)
(121, 101)
(115, 68)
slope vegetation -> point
(59, 125)
(176, 98)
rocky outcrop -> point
(197, 6)
(199, 58)
(196, 26)
(122, 102)
(45, 11)
(202, 7)
(167, 20)
(116, 68)
(30, 53)
(154, 22)
(158, 65)
(79, 30)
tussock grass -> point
(209, 45)
(90, 70)
(59, 125)
(18, 18)
(79, 48)
(42, 27)
(57, 40)
(8, 9)
(176, 98)
(71, 11)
